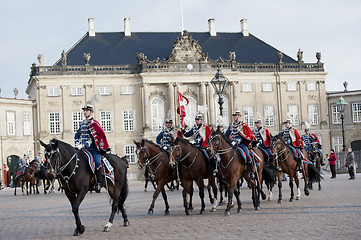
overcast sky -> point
(331, 27)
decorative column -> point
(202, 93)
(171, 100)
(211, 109)
(146, 105)
(235, 94)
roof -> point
(114, 48)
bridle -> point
(58, 168)
(279, 152)
(149, 161)
(218, 151)
(178, 158)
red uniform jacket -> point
(99, 136)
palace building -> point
(132, 79)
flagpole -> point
(178, 108)
(182, 16)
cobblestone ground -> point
(333, 213)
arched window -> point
(157, 112)
(191, 110)
(225, 121)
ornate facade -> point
(134, 83)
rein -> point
(225, 151)
(186, 156)
(280, 152)
(150, 161)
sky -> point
(332, 27)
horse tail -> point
(313, 174)
(268, 175)
(123, 195)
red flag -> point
(181, 110)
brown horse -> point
(286, 163)
(316, 156)
(232, 168)
(193, 165)
(27, 177)
(156, 160)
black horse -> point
(76, 177)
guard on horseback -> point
(40, 159)
(201, 133)
(309, 139)
(168, 134)
(263, 137)
(91, 136)
(293, 139)
(241, 136)
(23, 164)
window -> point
(77, 119)
(105, 121)
(293, 111)
(291, 86)
(248, 116)
(53, 92)
(130, 153)
(313, 114)
(76, 91)
(225, 118)
(54, 122)
(128, 120)
(127, 90)
(311, 86)
(266, 87)
(104, 90)
(269, 118)
(337, 143)
(10, 122)
(336, 115)
(191, 110)
(356, 112)
(157, 111)
(132, 175)
(247, 87)
(27, 124)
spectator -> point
(332, 161)
(350, 163)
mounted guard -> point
(311, 139)
(293, 139)
(263, 137)
(168, 134)
(241, 136)
(90, 136)
(201, 133)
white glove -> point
(233, 143)
(79, 146)
(192, 142)
(165, 148)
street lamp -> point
(341, 103)
(219, 83)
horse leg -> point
(280, 174)
(165, 198)
(305, 178)
(186, 189)
(114, 193)
(221, 189)
(160, 185)
(238, 198)
(75, 201)
(201, 195)
(213, 184)
(230, 196)
(297, 181)
(291, 187)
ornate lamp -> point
(220, 83)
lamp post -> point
(341, 103)
(219, 83)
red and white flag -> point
(181, 110)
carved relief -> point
(291, 97)
(77, 103)
(190, 92)
(157, 93)
(53, 104)
(312, 97)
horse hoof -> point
(298, 198)
(264, 196)
(292, 200)
(232, 205)
(220, 203)
(126, 223)
(166, 212)
(201, 212)
(320, 189)
(106, 229)
(257, 208)
(279, 201)
(269, 198)
(307, 192)
(187, 212)
(192, 207)
(239, 210)
(150, 212)
(76, 233)
(213, 209)
(227, 213)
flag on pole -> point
(181, 110)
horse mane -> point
(278, 136)
(229, 141)
(33, 161)
(154, 144)
(183, 140)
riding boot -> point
(98, 180)
(251, 171)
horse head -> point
(141, 152)
(278, 146)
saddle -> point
(107, 170)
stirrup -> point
(97, 187)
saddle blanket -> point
(109, 173)
(21, 172)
